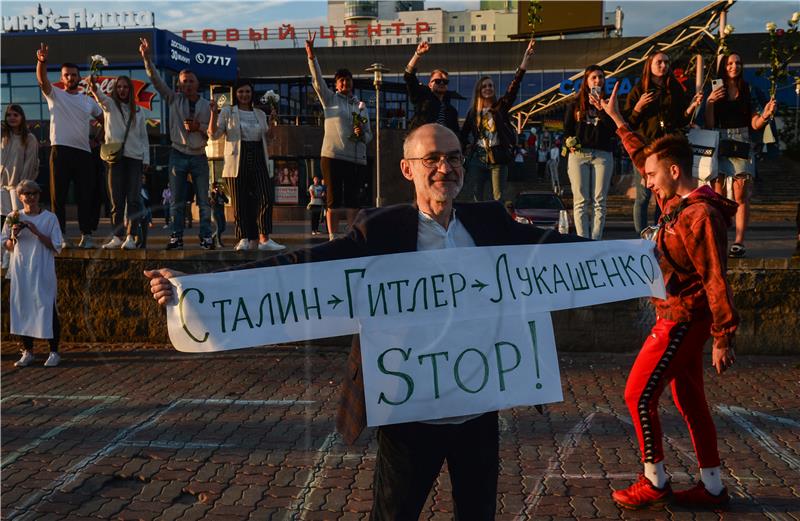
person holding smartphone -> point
(655, 107)
(591, 163)
(729, 109)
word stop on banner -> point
(441, 370)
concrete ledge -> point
(103, 297)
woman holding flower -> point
(729, 109)
(655, 107)
(125, 124)
(344, 146)
(249, 180)
(33, 236)
(590, 142)
(19, 160)
(487, 134)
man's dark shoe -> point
(207, 243)
(175, 242)
(698, 496)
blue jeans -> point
(480, 173)
(180, 165)
(590, 173)
(641, 204)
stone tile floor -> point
(144, 432)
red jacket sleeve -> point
(634, 144)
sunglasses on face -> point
(441, 81)
(28, 193)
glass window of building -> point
(460, 39)
(461, 28)
(483, 37)
(452, 39)
(430, 39)
(483, 27)
(472, 38)
(25, 95)
(473, 27)
(452, 28)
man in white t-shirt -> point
(71, 113)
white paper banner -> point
(246, 308)
(463, 367)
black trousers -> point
(27, 341)
(72, 165)
(410, 456)
(251, 190)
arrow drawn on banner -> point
(335, 301)
(478, 284)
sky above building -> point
(641, 17)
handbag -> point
(705, 149)
(732, 148)
(112, 152)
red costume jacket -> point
(692, 245)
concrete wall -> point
(103, 297)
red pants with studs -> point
(672, 354)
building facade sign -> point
(288, 31)
(206, 61)
(77, 19)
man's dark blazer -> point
(427, 104)
(393, 229)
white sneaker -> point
(53, 360)
(244, 244)
(271, 245)
(129, 244)
(25, 360)
(115, 242)
(87, 243)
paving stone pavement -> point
(137, 433)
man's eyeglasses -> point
(455, 160)
(28, 193)
(441, 81)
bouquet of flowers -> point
(779, 50)
(13, 218)
(358, 123)
(570, 142)
(534, 16)
(97, 64)
(270, 99)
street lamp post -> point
(377, 69)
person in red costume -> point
(692, 245)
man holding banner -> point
(691, 238)
(447, 333)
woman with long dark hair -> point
(249, 179)
(124, 123)
(655, 107)
(19, 160)
(591, 163)
(487, 135)
(729, 109)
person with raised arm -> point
(71, 113)
(432, 104)
(344, 146)
(189, 116)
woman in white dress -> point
(33, 236)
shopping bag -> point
(705, 146)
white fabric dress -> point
(32, 272)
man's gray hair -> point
(29, 185)
(408, 143)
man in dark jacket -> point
(431, 103)
(410, 455)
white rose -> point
(361, 106)
(795, 17)
(771, 26)
(728, 30)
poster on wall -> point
(287, 179)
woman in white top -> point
(19, 160)
(249, 180)
(124, 123)
(33, 236)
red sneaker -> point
(698, 496)
(641, 494)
